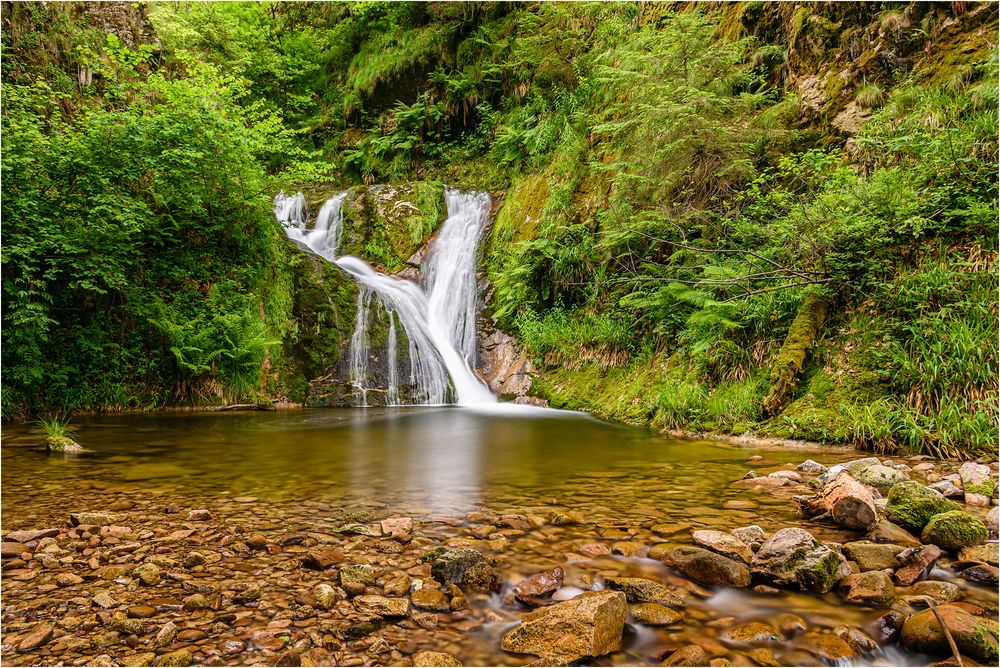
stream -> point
(295, 476)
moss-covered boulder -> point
(794, 557)
(912, 505)
(954, 530)
(974, 636)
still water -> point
(449, 468)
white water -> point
(439, 319)
(392, 397)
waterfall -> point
(439, 318)
(392, 397)
(324, 237)
(359, 346)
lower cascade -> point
(438, 318)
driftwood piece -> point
(849, 503)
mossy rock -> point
(912, 505)
(954, 530)
(64, 445)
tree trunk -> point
(801, 338)
(850, 503)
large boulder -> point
(912, 505)
(793, 557)
(977, 479)
(954, 530)
(707, 567)
(974, 636)
(590, 624)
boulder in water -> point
(912, 505)
(873, 588)
(794, 557)
(873, 556)
(707, 567)
(642, 590)
(880, 477)
(974, 636)
(723, 543)
(954, 530)
(589, 624)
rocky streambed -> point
(627, 564)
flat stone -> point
(200, 515)
(382, 606)
(181, 657)
(435, 659)
(873, 588)
(939, 592)
(917, 565)
(10, 549)
(36, 637)
(89, 519)
(643, 590)
(28, 535)
(363, 574)
(538, 586)
(654, 614)
(323, 557)
(707, 567)
(752, 633)
(873, 556)
(397, 527)
(724, 544)
(430, 599)
(983, 574)
(689, 655)
(987, 553)
(811, 467)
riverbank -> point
(218, 539)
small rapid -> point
(438, 318)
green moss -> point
(985, 488)
(912, 505)
(954, 530)
(802, 335)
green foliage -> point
(54, 426)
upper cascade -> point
(438, 317)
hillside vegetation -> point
(768, 217)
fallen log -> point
(848, 502)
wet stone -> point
(752, 633)
(654, 614)
(435, 659)
(36, 637)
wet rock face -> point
(504, 365)
(794, 557)
(590, 624)
(975, 636)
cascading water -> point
(392, 395)
(439, 320)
